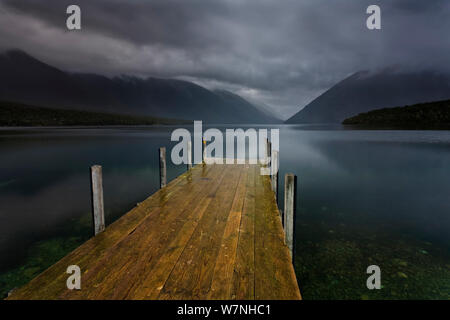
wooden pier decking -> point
(212, 233)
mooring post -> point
(268, 151)
(290, 189)
(274, 172)
(162, 168)
(204, 152)
(189, 155)
(98, 212)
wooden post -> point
(290, 189)
(98, 212)
(162, 168)
(268, 151)
(274, 172)
(204, 152)
(189, 155)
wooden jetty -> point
(214, 232)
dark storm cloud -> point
(281, 53)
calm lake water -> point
(364, 198)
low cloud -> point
(278, 53)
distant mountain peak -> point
(368, 90)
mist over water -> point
(364, 197)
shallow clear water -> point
(371, 197)
(364, 197)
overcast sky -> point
(282, 53)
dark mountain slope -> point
(431, 115)
(27, 80)
(365, 91)
(16, 114)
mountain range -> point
(24, 79)
(364, 91)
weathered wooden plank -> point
(156, 278)
(223, 271)
(264, 266)
(191, 277)
(181, 232)
(243, 283)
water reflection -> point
(371, 197)
(364, 197)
